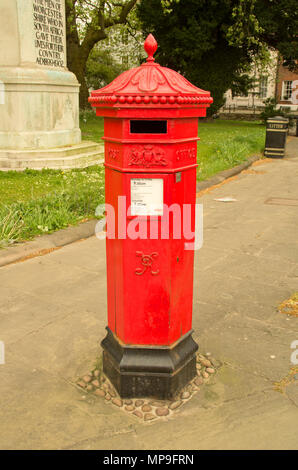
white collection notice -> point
(146, 196)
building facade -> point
(287, 88)
(274, 81)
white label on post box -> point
(146, 196)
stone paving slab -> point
(46, 243)
(53, 314)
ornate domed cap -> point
(150, 84)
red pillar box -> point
(150, 133)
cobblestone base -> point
(147, 409)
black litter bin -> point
(276, 134)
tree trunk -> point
(84, 93)
(76, 58)
(78, 53)
(77, 65)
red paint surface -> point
(150, 282)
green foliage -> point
(87, 23)
(279, 22)
(101, 68)
(245, 28)
(243, 85)
(271, 110)
(259, 24)
(192, 40)
(212, 43)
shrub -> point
(271, 110)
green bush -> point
(271, 111)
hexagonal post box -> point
(150, 133)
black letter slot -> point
(148, 127)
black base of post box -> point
(149, 371)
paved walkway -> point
(53, 314)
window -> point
(263, 83)
(287, 90)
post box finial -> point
(150, 46)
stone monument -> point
(39, 106)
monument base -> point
(149, 371)
(70, 156)
(39, 108)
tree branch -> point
(95, 31)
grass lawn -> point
(225, 144)
(37, 202)
(91, 126)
